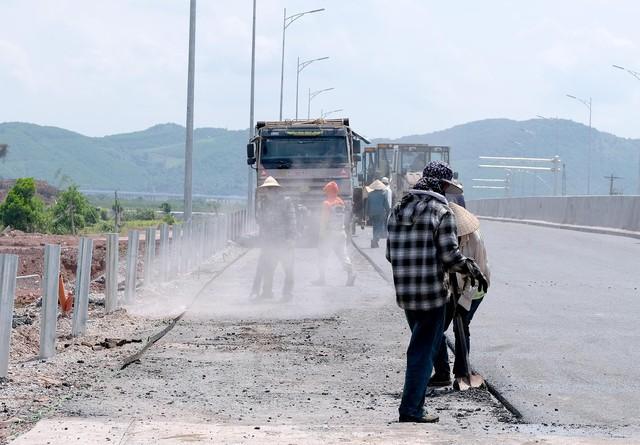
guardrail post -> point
(178, 244)
(149, 254)
(244, 221)
(132, 263)
(111, 274)
(164, 251)
(83, 278)
(197, 244)
(210, 238)
(176, 248)
(8, 272)
(49, 309)
(187, 237)
(216, 234)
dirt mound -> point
(30, 250)
(44, 190)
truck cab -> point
(303, 156)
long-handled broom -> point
(470, 380)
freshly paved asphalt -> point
(558, 333)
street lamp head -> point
(572, 97)
(619, 67)
(315, 10)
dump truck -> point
(303, 156)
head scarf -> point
(432, 176)
(331, 189)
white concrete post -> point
(149, 254)
(111, 274)
(132, 263)
(164, 251)
(187, 242)
(8, 272)
(83, 278)
(176, 248)
(49, 309)
(202, 241)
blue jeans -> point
(441, 363)
(427, 328)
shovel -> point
(470, 380)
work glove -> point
(475, 275)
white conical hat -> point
(270, 182)
(466, 222)
(376, 185)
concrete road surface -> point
(328, 367)
(558, 332)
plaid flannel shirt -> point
(422, 245)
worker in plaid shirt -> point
(422, 246)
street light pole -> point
(188, 150)
(588, 105)
(327, 113)
(302, 66)
(251, 108)
(635, 74)
(285, 24)
(312, 96)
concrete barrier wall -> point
(618, 212)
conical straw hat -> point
(466, 221)
(376, 185)
(270, 182)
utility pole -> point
(250, 189)
(556, 169)
(612, 179)
(564, 179)
(117, 211)
(188, 149)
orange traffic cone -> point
(64, 300)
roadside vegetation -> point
(74, 213)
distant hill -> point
(152, 160)
(538, 138)
(149, 160)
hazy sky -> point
(398, 66)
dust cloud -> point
(229, 295)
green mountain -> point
(152, 160)
(538, 138)
(149, 160)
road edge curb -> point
(551, 225)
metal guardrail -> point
(181, 249)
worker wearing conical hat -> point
(377, 208)
(472, 246)
(276, 218)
